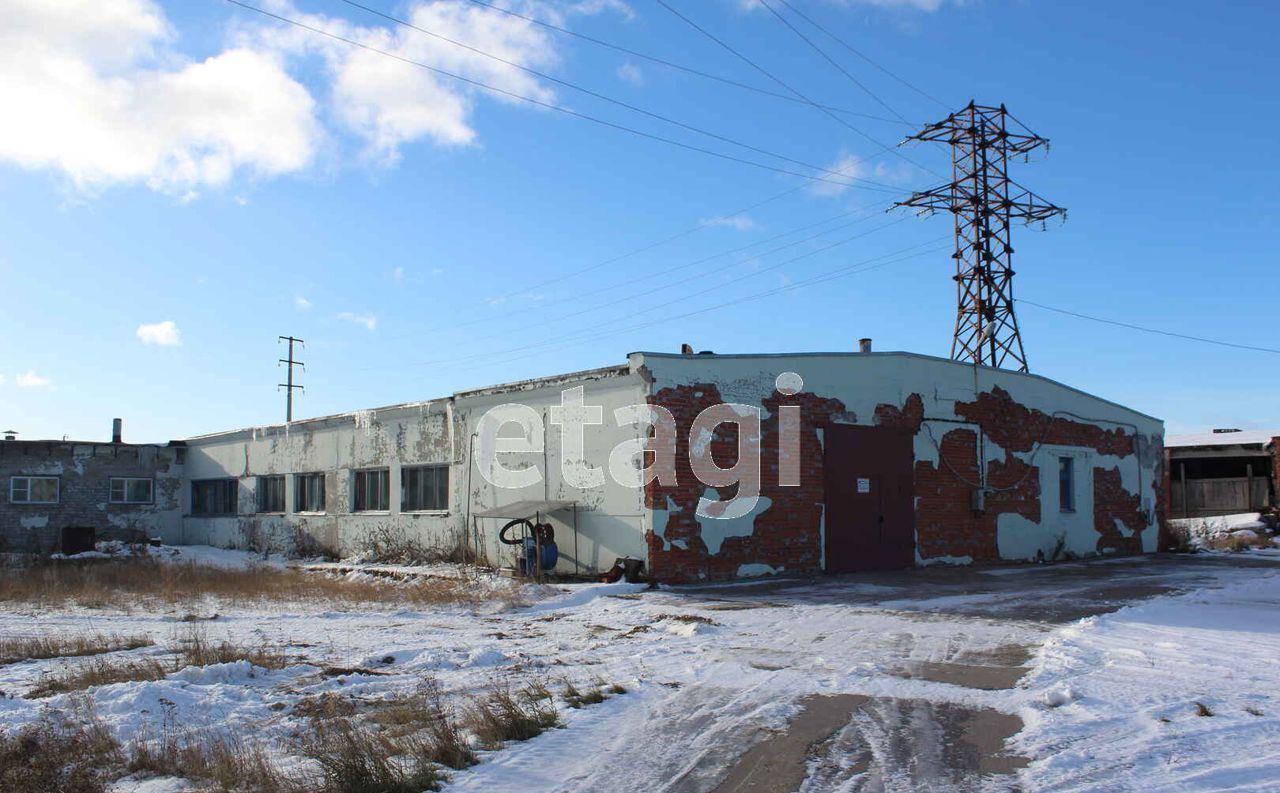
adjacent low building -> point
(65, 494)
(819, 462)
(1223, 472)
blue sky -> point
(197, 164)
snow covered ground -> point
(1109, 702)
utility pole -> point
(289, 386)
(984, 200)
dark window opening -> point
(132, 490)
(214, 496)
(424, 488)
(373, 491)
(308, 493)
(1066, 484)
(271, 494)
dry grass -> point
(1203, 709)
(355, 758)
(433, 728)
(16, 649)
(1238, 541)
(214, 757)
(194, 648)
(67, 756)
(598, 692)
(141, 582)
(100, 672)
(507, 714)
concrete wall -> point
(439, 432)
(974, 428)
(84, 471)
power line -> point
(522, 349)
(1150, 330)
(679, 235)
(672, 64)
(667, 285)
(655, 274)
(831, 60)
(605, 97)
(857, 52)
(547, 105)
(857, 268)
(788, 86)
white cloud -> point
(32, 380)
(301, 302)
(845, 167)
(1, 379)
(398, 274)
(370, 321)
(739, 222)
(630, 73)
(161, 334)
(388, 102)
(94, 89)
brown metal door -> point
(870, 515)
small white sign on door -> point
(864, 485)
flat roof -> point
(1241, 438)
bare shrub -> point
(504, 714)
(355, 758)
(308, 546)
(20, 648)
(64, 755)
(142, 582)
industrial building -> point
(705, 466)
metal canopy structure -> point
(984, 200)
(525, 509)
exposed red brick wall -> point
(1111, 503)
(946, 524)
(786, 535)
(1016, 428)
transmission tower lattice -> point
(984, 200)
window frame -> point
(260, 490)
(28, 479)
(232, 496)
(111, 490)
(358, 490)
(441, 490)
(1066, 484)
(300, 491)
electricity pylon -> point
(983, 200)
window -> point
(1066, 484)
(214, 496)
(132, 490)
(271, 494)
(308, 493)
(373, 491)
(424, 487)
(33, 490)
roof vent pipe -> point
(10, 435)
(117, 430)
(864, 345)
